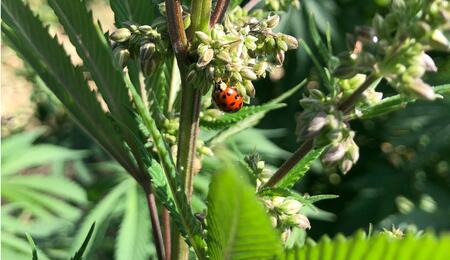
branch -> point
(156, 227)
(290, 163)
(167, 237)
(175, 26)
(307, 145)
(219, 12)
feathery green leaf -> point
(79, 254)
(391, 104)
(300, 169)
(137, 11)
(33, 247)
(252, 119)
(383, 245)
(238, 226)
(47, 57)
(133, 239)
(227, 119)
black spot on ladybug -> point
(236, 97)
(224, 96)
(232, 104)
(228, 94)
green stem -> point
(189, 119)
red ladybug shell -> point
(227, 98)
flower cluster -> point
(243, 49)
(322, 120)
(259, 169)
(142, 42)
(395, 46)
(285, 213)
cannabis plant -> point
(168, 86)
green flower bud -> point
(260, 68)
(282, 45)
(120, 35)
(298, 220)
(290, 207)
(247, 73)
(237, 76)
(250, 42)
(277, 201)
(187, 21)
(249, 88)
(272, 21)
(121, 57)
(145, 29)
(224, 56)
(416, 70)
(206, 58)
(147, 50)
(203, 37)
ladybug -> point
(227, 98)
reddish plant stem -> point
(290, 163)
(175, 26)
(219, 12)
(156, 227)
(167, 237)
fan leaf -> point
(31, 40)
(134, 229)
(380, 246)
(137, 11)
(227, 119)
(238, 227)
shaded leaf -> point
(31, 40)
(300, 169)
(391, 104)
(79, 254)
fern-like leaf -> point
(300, 169)
(382, 246)
(137, 11)
(252, 119)
(134, 229)
(27, 35)
(394, 103)
(101, 215)
(238, 227)
(79, 254)
(231, 118)
(94, 49)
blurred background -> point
(56, 181)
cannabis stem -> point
(156, 227)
